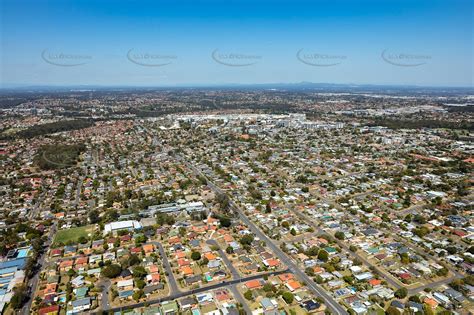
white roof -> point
(356, 269)
(120, 225)
(125, 283)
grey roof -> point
(125, 273)
(370, 231)
(454, 294)
(214, 264)
(187, 301)
(192, 279)
(232, 311)
(418, 306)
(81, 302)
(194, 243)
(152, 288)
(397, 304)
(245, 259)
(219, 272)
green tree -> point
(312, 251)
(452, 250)
(339, 235)
(442, 272)
(248, 295)
(137, 295)
(421, 231)
(288, 297)
(401, 293)
(392, 310)
(82, 239)
(225, 221)
(20, 296)
(140, 239)
(140, 284)
(457, 284)
(407, 201)
(71, 273)
(427, 309)
(133, 260)
(246, 239)
(323, 255)
(117, 243)
(139, 272)
(405, 259)
(223, 200)
(111, 271)
(318, 279)
(195, 256)
(163, 218)
(268, 287)
(268, 208)
(94, 216)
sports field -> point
(73, 234)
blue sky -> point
(167, 43)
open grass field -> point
(72, 235)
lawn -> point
(72, 235)
(376, 311)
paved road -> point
(78, 190)
(425, 252)
(106, 284)
(415, 247)
(195, 291)
(344, 245)
(384, 275)
(412, 209)
(233, 289)
(235, 275)
(330, 302)
(174, 289)
(431, 285)
(35, 211)
(435, 284)
(33, 282)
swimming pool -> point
(23, 252)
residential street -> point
(104, 301)
(33, 282)
(174, 289)
(330, 301)
(195, 291)
(235, 276)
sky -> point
(176, 43)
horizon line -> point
(15, 86)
